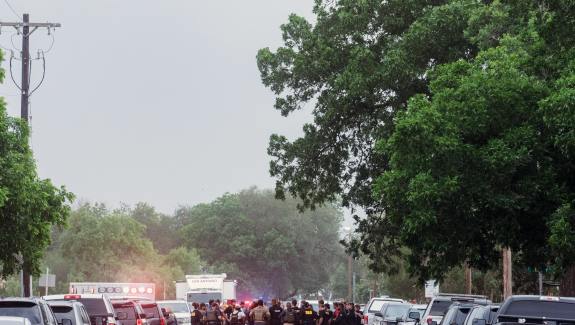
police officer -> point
(275, 313)
(325, 315)
(289, 315)
(213, 316)
(260, 315)
(308, 316)
(197, 315)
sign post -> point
(431, 288)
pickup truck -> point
(536, 310)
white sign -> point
(47, 280)
(431, 288)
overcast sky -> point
(157, 101)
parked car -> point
(457, 313)
(9, 320)
(392, 313)
(487, 313)
(536, 310)
(439, 305)
(180, 309)
(34, 309)
(72, 310)
(98, 306)
(415, 314)
(376, 305)
(153, 312)
(129, 312)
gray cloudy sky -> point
(157, 101)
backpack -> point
(235, 318)
(289, 317)
(260, 314)
(212, 316)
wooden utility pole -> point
(26, 28)
(507, 273)
(468, 279)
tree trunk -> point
(567, 287)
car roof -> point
(21, 320)
(70, 303)
(18, 299)
(419, 306)
(171, 301)
(542, 298)
(82, 296)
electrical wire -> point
(43, 73)
(12, 9)
(12, 74)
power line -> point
(12, 9)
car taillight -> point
(365, 319)
(429, 320)
(139, 321)
(72, 297)
(162, 321)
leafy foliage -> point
(274, 249)
(450, 122)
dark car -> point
(537, 310)
(33, 309)
(129, 312)
(486, 313)
(153, 312)
(456, 314)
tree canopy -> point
(268, 245)
(450, 122)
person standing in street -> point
(308, 315)
(275, 313)
(289, 315)
(260, 315)
(325, 315)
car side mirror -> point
(121, 315)
(66, 321)
(479, 322)
(378, 314)
(414, 315)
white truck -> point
(205, 287)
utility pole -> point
(468, 279)
(507, 273)
(350, 278)
(26, 28)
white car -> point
(375, 305)
(8, 320)
(180, 308)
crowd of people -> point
(278, 313)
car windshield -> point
(377, 305)
(21, 309)
(394, 312)
(440, 307)
(151, 309)
(64, 312)
(128, 309)
(203, 297)
(535, 308)
(95, 307)
(176, 307)
(416, 310)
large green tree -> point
(471, 103)
(268, 245)
(29, 205)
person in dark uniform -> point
(308, 315)
(325, 315)
(276, 313)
